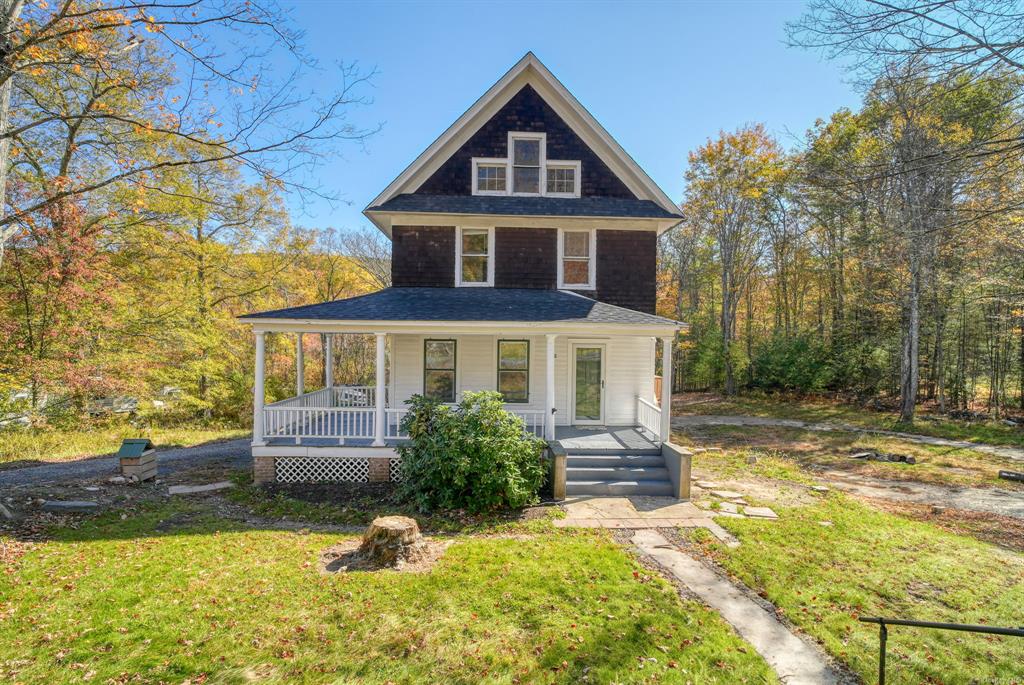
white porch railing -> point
(648, 416)
(317, 422)
(347, 412)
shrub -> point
(473, 456)
(797, 363)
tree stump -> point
(392, 541)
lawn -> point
(173, 595)
(940, 465)
(823, 410)
(830, 558)
(24, 447)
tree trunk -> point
(909, 373)
(11, 12)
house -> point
(524, 245)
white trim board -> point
(527, 71)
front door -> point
(587, 383)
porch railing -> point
(348, 412)
(648, 416)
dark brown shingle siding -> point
(526, 112)
(626, 269)
(423, 256)
(525, 257)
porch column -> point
(329, 360)
(257, 391)
(666, 388)
(300, 367)
(549, 388)
(380, 391)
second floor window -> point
(576, 259)
(474, 263)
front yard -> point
(173, 594)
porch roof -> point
(521, 305)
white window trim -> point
(560, 164)
(541, 165)
(490, 161)
(591, 283)
(489, 283)
(545, 163)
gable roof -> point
(527, 71)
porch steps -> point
(621, 472)
(621, 488)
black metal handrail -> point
(883, 633)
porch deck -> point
(597, 438)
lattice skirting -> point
(329, 469)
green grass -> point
(170, 595)
(821, 410)
(940, 465)
(870, 563)
(23, 447)
(360, 506)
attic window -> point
(526, 170)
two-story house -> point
(524, 246)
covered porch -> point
(365, 416)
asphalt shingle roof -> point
(468, 304)
(525, 206)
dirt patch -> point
(345, 557)
(1005, 531)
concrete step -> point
(620, 488)
(613, 460)
(612, 451)
(616, 473)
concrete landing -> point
(638, 512)
(795, 661)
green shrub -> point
(473, 456)
(798, 363)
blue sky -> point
(661, 77)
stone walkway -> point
(638, 512)
(795, 661)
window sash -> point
(514, 374)
(561, 180)
(576, 265)
(439, 376)
(491, 178)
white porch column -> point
(300, 367)
(257, 391)
(549, 388)
(380, 392)
(329, 360)
(666, 388)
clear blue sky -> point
(661, 77)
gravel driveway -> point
(232, 453)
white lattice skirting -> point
(329, 469)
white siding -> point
(629, 371)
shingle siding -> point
(525, 257)
(423, 256)
(526, 112)
(626, 269)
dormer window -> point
(526, 170)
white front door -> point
(586, 387)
